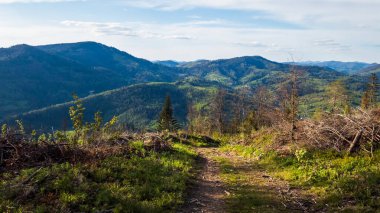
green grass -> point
(252, 149)
(337, 179)
(340, 182)
(142, 182)
(246, 193)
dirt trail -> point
(251, 188)
(207, 192)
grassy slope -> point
(338, 181)
(141, 182)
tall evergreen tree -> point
(166, 120)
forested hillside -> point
(35, 78)
(136, 106)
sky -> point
(187, 30)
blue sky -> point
(346, 30)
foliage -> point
(166, 121)
(4, 130)
(333, 176)
(338, 95)
(121, 183)
(21, 128)
(98, 120)
(76, 113)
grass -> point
(142, 182)
(340, 181)
(247, 192)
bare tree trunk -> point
(355, 142)
(293, 104)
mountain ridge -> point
(93, 68)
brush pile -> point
(359, 129)
(19, 151)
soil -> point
(210, 193)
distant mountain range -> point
(344, 67)
(38, 81)
(375, 68)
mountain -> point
(375, 68)
(344, 67)
(109, 59)
(36, 77)
(255, 71)
(138, 105)
(38, 82)
(169, 63)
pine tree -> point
(166, 121)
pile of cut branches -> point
(360, 129)
(19, 151)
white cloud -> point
(313, 13)
(330, 29)
(332, 45)
(130, 30)
(102, 28)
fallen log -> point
(355, 142)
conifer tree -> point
(166, 121)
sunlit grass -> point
(152, 182)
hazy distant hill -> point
(168, 63)
(345, 67)
(371, 69)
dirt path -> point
(230, 183)
(253, 189)
(207, 193)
